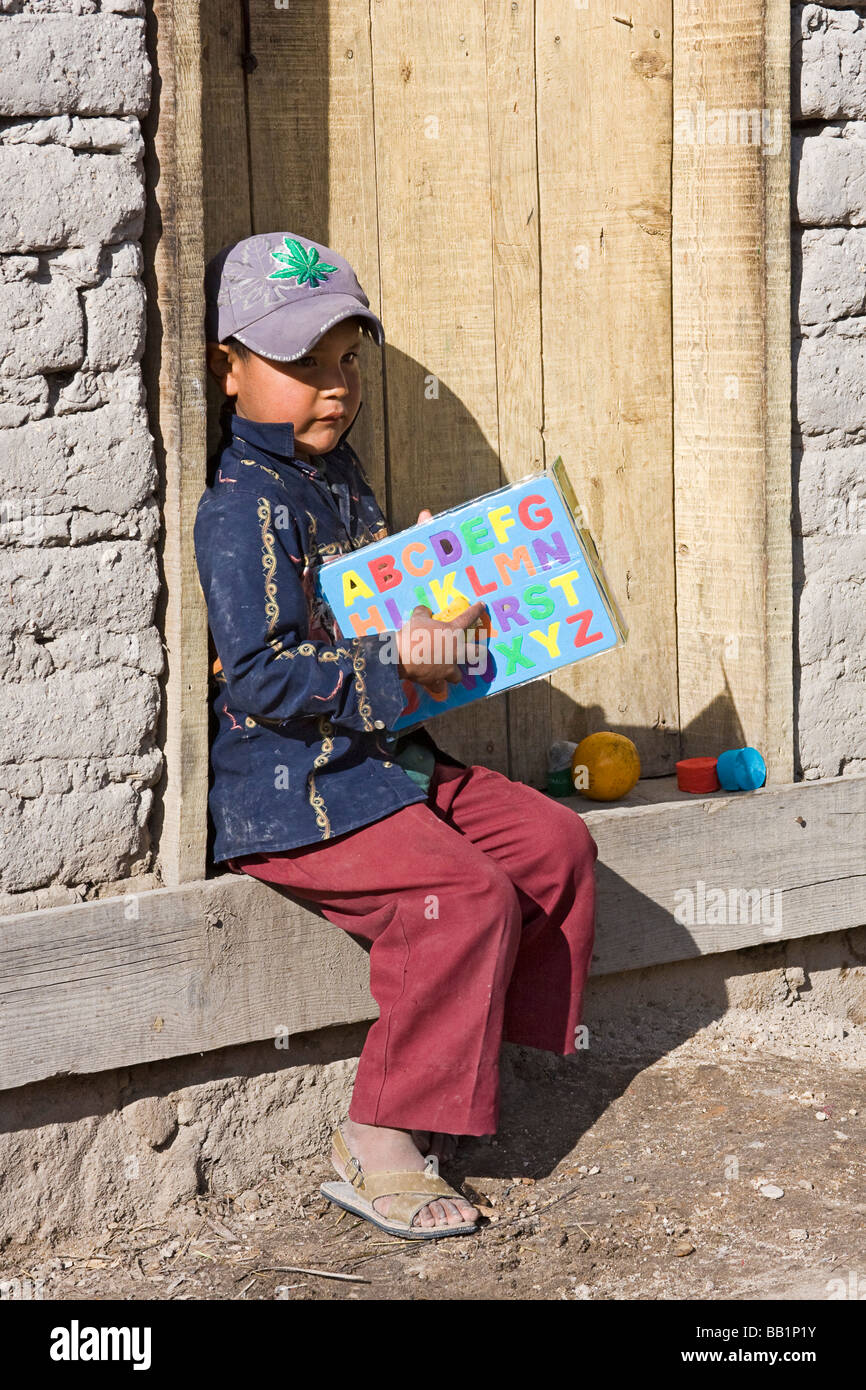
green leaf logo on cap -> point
(300, 263)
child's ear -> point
(218, 363)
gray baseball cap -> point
(279, 292)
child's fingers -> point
(468, 616)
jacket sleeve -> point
(257, 612)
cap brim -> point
(290, 330)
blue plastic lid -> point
(741, 770)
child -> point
(474, 893)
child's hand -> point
(424, 515)
(421, 640)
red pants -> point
(480, 909)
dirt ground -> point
(611, 1177)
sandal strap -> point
(350, 1162)
(361, 1180)
(404, 1207)
(409, 1190)
(375, 1185)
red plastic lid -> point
(697, 775)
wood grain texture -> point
(288, 99)
(435, 249)
(779, 595)
(503, 177)
(801, 846)
(516, 269)
(225, 155)
(175, 367)
(226, 169)
(231, 960)
(168, 973)
(352, 208)
(731, 287)
(604, 141)
(312, 159)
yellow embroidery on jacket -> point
(358, 665)
(269, 565)
(317, 802)
(272, 609)
(311, 537)
(254, 463)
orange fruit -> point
(612, 766)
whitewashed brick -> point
(830, 180)
(51, 197)
(41, 327)
(828, 58)
(101, 460)
(90, 64)
(830, 264)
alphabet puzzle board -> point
(523, 551)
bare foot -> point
(380, 1150)
(444, 1146)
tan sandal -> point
(411, 1191)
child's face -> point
(319, 394)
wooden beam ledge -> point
(227, 960)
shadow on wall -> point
(410, 477)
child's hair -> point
(245, 353)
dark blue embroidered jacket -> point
(300, 753)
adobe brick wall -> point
(828, 110)
(80, 656)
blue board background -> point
(496, 678)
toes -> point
(425, 1217)
(449, 1213)
(431, 1215)
(454, 1217)
(463, 1212)
(443, 1212)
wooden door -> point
(556, 275)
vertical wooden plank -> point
(433, 177)
(604, 138)
(510, 42)
(310, 98)
(779, 599)
(288, 95)
(225, 162)
(174, 375)
(352, 208)
(731, 377)
(226, 171)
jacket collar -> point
(276, 438)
